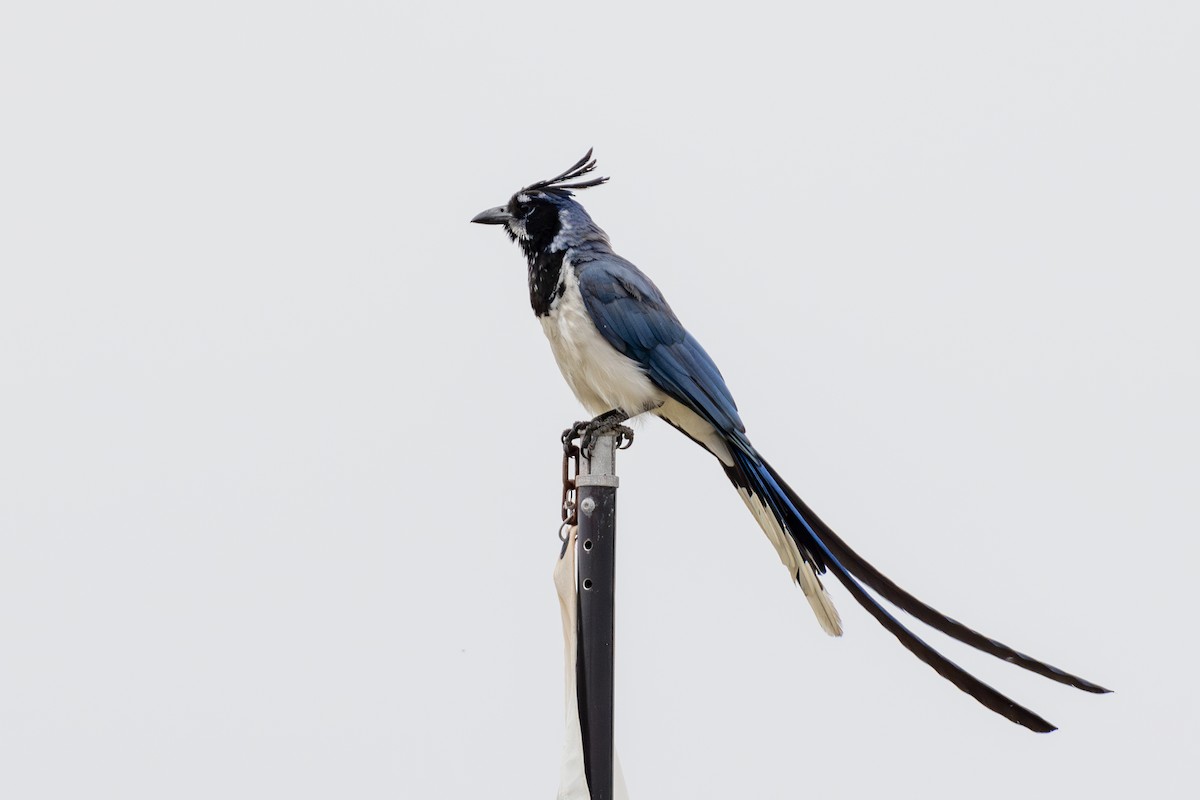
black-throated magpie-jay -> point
(623, 352)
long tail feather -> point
(816, 537)
(801, 564)
(964, 680)
(876, 580)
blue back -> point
(633, 317)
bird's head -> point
(544, 216)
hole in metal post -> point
(587, 583)
(587, 544)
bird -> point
(623, 352)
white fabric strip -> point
(572, 783)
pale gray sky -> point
(278, 430)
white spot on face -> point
(517, 226)
(560, 241)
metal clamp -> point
(597, 480)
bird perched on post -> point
(623, 352)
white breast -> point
(601, 378)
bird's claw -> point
(572, 433)
(623, 435)
(588, 431)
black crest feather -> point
(559, 184)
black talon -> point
(596, 429)
(624, 437)
(587, 430)
(574, 432)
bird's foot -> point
(589, 430)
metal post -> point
(596, 561)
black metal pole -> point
(596, 563)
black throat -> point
(545, 277)
(542, 225)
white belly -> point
(601, 378)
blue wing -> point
(633, 317)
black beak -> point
(493, 216)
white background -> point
(278, 431)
